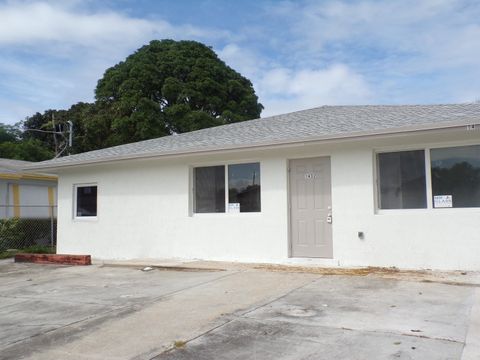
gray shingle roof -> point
(11, 166)
(16, 168)
(326, 122)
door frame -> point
(289, 204)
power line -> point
(68, 143)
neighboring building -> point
(25, 194)
(335, 185)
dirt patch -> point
(459, 278)
(185, 268)
(179, 344)
(338, 271)
(164, 267)
(455, 278)
(447, 282)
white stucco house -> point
(335, 185)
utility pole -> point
(67, 142)
(70, 134)
(54, 134)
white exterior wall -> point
(144, 211)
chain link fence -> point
(28, 227)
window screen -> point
(456, 176)
(209, 189)
(86, 201)
(402, 180)
(244, 187)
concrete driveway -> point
(111, 312)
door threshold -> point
(312, 261)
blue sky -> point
(298, 54)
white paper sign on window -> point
(233, 207)
(442, 201)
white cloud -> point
(284, 90)
(52, 53)
(432, 34)
(242, 59)
(298, 54)
(31, 23)
(409, 51)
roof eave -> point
(28, 176)
(267, 144)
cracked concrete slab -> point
(472, 342)
(342, 317)
(164, 306)
(39, 316)
(117, 286)
(374, 304)
(252, 339)
(34, 304)
(102, 312)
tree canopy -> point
(163, 88)
(171, 87)
(12, 146)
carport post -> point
(51, 226)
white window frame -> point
(378, 209)
(74, 209)
(225, 165)
(428, 178)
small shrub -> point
(20, 233)
(39, 249)
(11, 234)
(35, 249)
(7, 254)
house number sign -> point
(309, 176)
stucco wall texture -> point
(145, 211)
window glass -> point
(402, 180)
(86, 201)
(456, 176)
(244, 187)
(209, 189)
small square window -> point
(85, 201)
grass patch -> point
(179, 344)
(7, 254)
(38, 249)
(34, 249)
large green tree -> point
(56, 120)
(168, 87)
(9, 133)
(12, 146)
(165, 87)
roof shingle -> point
(326, 122)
